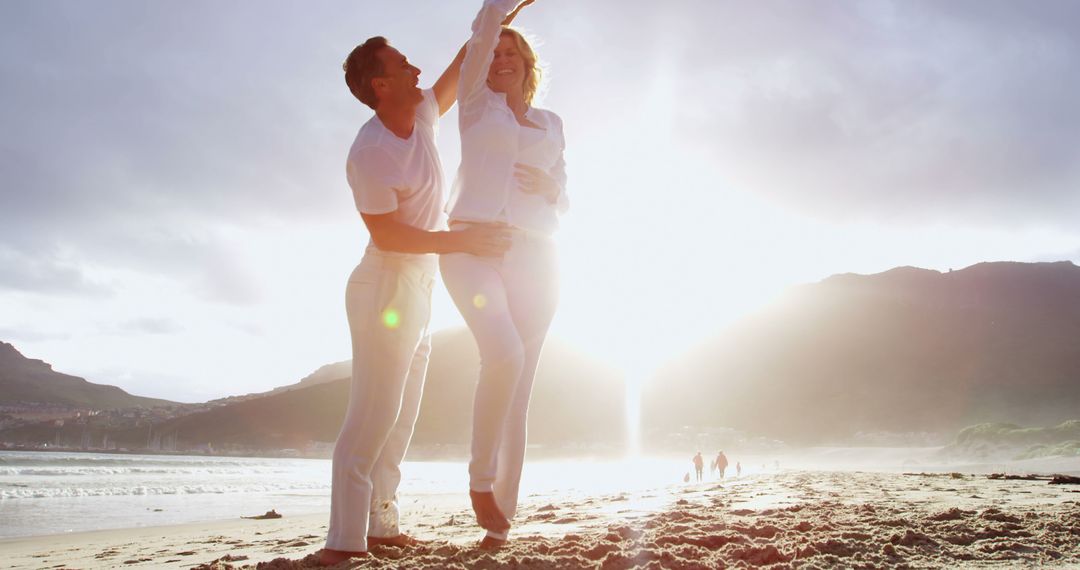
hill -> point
(576, 402)
(907, 350)
(25, 381)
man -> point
(699, 465)
(397, 183)
(721, 463)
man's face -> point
(399, 80)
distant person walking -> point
(721, 463)
(699, 465)
(738, 469)
(397, 183)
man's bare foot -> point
(328, 557)
(491, 543)
(399, 541)
(488, 515)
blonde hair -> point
(533, 73)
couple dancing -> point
(497, 260)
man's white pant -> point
(508, 303)
(388, 302)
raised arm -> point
(446, 87)
(510, 18)
(480, 49)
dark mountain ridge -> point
(26, 381)
(575, 402)
(906, 350)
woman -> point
(512, 175)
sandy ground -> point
(792, 519)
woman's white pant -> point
(388, 302)
(508, 303)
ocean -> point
(44, 493)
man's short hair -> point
(363, 65)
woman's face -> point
(507, 71)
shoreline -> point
(817, 457)
(434, 453)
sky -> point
(175, 220)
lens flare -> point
(391, 319)
(479, 301)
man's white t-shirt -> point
(404, 176)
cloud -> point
(51, 275)
(51, 261)
(130, 145)
(228, 280)
(140, 382)
(129, 113)
(27, 333)
(148, 325)
(904, 112)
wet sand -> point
(793, 519)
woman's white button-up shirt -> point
(492, 141)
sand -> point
(791, 519)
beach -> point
(790, 518)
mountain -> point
(324, 374)
(907, 350)
(575, 402)
(24, 381)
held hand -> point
(483, 241)
(532, 180)
(510, 17)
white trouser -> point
(508, 303)
(388, 302)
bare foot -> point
(487, 512)
(399, 541)
(328, 557)
(491, 543)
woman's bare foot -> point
(328, 557)
(488, 515)
(491, 543)
(399, 541)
